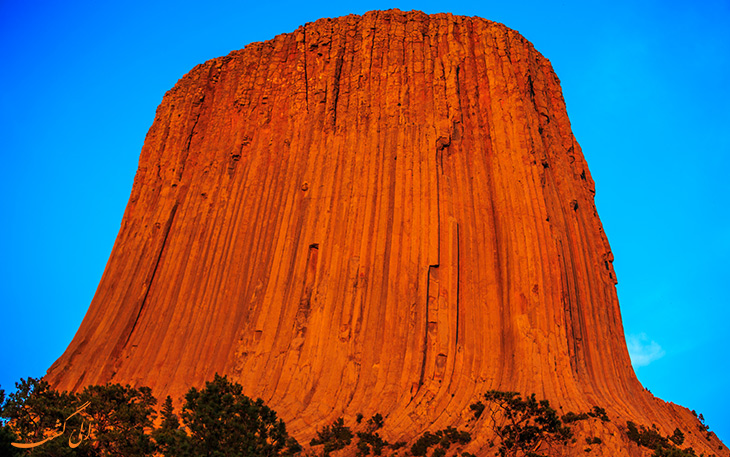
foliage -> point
(375, 422)
(570, 416)
(6, 433)
(120, 415)
(599, 413)
(677, 437)
(477, 408)
(223, 422)
(443, 438)
(333, 437)
(423, 443)
(525, 426)
(397, 445)
(368, 440)
(6, 437)
(35, 412)
(115, 420)
(114, 417)
(169, 437)
(652, 439)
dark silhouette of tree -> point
(223, 422)
(120, 416)
(35, 412)
(170, 438)
(525, 427)
(6, 433)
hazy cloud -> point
(642, 350)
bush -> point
(652, 439)
(677, 437)
(443, 438)
(369, 440)
(333, 437)
(477, 408)
(599, 413)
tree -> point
(524, 426)
(223, 422)
(170, 439)
(120, 417)
(108, 420)
(6, 434)
(35, 412)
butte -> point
(384, 213)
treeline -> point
(116, 420)
(220, 421)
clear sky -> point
(647, 89)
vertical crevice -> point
(188, 142)
(305, 302)
(306, 80)
(168, 225)
(430, 270)
(336, 87)
(456, 285)
(372, 47)
(458, 94)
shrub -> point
(333, 437)
(600, 413)
(570, 416)
(477, 408)
(443, 438)
(652, 439)
(370, 439)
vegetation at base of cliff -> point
(441, 438)
(334, 437)
(220, 421)
(115, 416)
(338, 436)
(662, 446)
(523, 427)
(597, 412)
(116, 420)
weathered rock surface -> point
(386, 213)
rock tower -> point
(380, 213)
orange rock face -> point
(386, 213)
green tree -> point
(525, 427)
(120, 417)
(6, 434)
(101, 421)
(35, 412)
(170, 438)
(223, 422)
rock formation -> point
(380, 213)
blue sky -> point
(646, 86)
